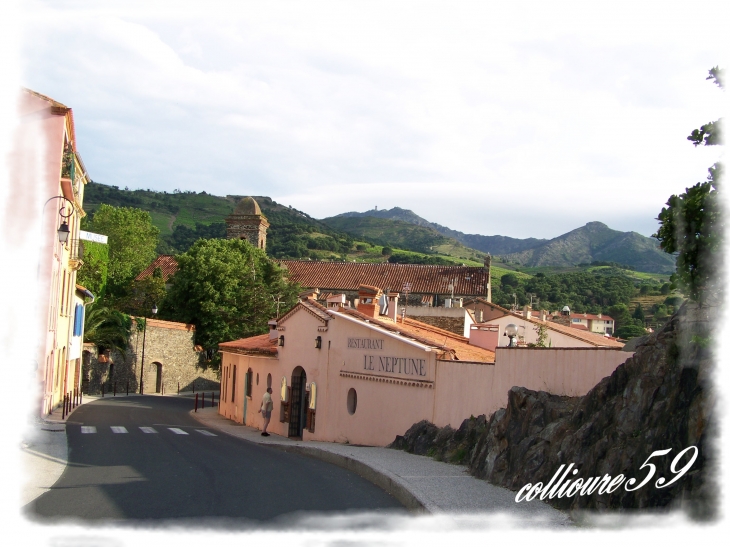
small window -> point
(257, 378)
(351, 401)
(268, 381)
(249, 383)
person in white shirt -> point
(267, 405)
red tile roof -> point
(424, 279)
(255, 345)
(453, 346)
(590, 316)
(166, 263)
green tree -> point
(387, 251)
(630, 331)
(106, 327)
(228, 290)
(638, 313)
(132, 242)
(509, 280)
(143, 295)
(691, 224)
(93, 273)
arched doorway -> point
(297, 402)
(158, 381)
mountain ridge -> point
(593, 242)
(496, 245)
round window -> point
(351, 401)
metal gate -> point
(295, 404)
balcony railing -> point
(76, 253)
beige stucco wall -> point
(34, 165)
(562, 371)
(462, 390)
(389, 402)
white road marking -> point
(148, 430)
(177, 430)
(119, 429)
(204, 432)
(88, 429)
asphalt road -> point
(177, 469)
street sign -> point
(91, 236)
(406, 287)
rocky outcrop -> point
(661, 398)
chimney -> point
(527, 312)
(543, 315)
(393, 305)
(368, 300)
(309, 295)
(273, 333)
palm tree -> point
(107, 328)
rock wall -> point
(661, 398)
(168, 351)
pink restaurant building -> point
(355, 376)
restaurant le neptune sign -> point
(381, 363)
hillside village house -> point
(489, 332)
(45, 151)
(352, 375)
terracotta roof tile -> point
(166, 263)
(256, 345)
(349, 276)
(453, 346)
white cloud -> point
(553, 110)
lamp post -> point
(144, 339)
(511, 332)
(63, 230)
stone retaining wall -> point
(168, 350)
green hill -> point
(496, 245)
(184, 217)
(597, 242)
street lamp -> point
(144, 339)
(63, 230)
(511, 332)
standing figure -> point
(267, 405)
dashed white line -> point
(204, 432)
(177, 430)
(148, 430)
(118, 429)
(88, 429)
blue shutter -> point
(77, 319)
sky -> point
(514, 118)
